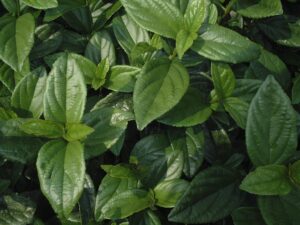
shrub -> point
(149, 112)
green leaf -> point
(247, 216)
(184, 40)
(110, 187)
(127, 203)
(158, 157)
(160, 86)
(246, 89)
(296, 91)
(29, 93)
(101, 73)
(238, 110)
(294, 172)
(269, 64)
(259, 9)
(278, 210)
(10, 5)
(128, 33)
(268, 180)
(40, 4)
(122, 78)
(61, 170)
(20, 149)
(168, 192)
(223, 79)
(65, 94)
(16, 39)
(195, 14)
(222, 44)
(191, 110)
(99, 47)
(6, 114)
(158, 16)
(18, 210)
(216, 189)
(283, 30)
(77, 131)
(271, 135)
(42, 128)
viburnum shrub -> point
(149, 112)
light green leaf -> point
(61, 171)
(259, 9)
(128, 33)
(101, 73)
(158, 16)
(222, 44)
(238, 110)
(268, 180)
(215, 188)
(160, 86)
(16, 39)
(168, 192)
(42, 128)
(247, 216)
(271, 134)
(77, 131)
(122, 78)
(127, 203)
(99, 47)
(279, 210)
(29, 93)
(223, 79)
(40, 4)
(195, 14)
(110, 187)
(65, 94)
(184, 40)
(18, 210)
(191, 110)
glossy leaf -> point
(158, 16)
(160, 86)
(39, 4)
(222, 44)
(238, 110)
(61, 170)
(77, 131)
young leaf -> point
(101, 73)
(168, 192)
(278, 210)
(259, 9)
(43, 128)
(222, 44)
(127, 203)
(61, 170)
(77, 131)
(65, 94)
(223, 79)
(40, 4)
(215, 188)
(158, 16)
(184, 40)
(268, 180)
(160, 86)
(271, 134)
(16, 39)
(247, 216)
(29, 93)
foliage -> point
(149, 112)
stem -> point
(228, 8)
(18, 7)
(174, 54)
